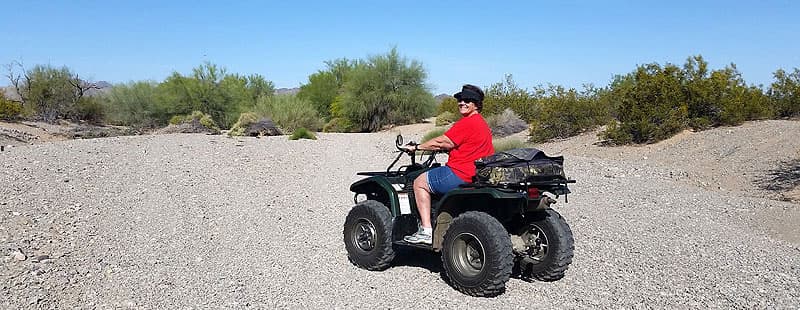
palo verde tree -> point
(135, 104)
(211, 90)
(386, 89)
(51, 93)
(324, 86)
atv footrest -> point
(414, 245)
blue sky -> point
(560, 42)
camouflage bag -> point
(518, 166)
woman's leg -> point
(422, 196)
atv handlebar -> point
(401, 147)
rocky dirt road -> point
(196, 221)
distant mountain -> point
(287, 91)
(103, 84)
(441, 97)
(100, 87)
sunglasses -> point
(464, 102)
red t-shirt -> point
(473, 140)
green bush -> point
(338, 124)
(720, 97)
(506, 144)
(650, 104)
(289, 112)
(51, 92)
(9, 109)
(90, 109)
(302, 133)
(438, 131)
(447, 118)
(201, 117)
(177, 119)
(449, 104)
(614, 135)
(135, 104)
(508, 95)
(566, 112)
(785, 93)
(245, 120)
(206, 120)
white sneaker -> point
(419, 237)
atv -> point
(484, 232)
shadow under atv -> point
(432, 261)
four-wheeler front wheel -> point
(477, 255)
(368, 235)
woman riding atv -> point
(468, 140)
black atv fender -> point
(378, 188)
(502, 204)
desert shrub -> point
(288, 111)
(135, 104)
(449, 104)
(506, 123)
(177, 119)
(447, 118)
(245, 119)
(650, 104)
(784, 93)
(9, 109)
(508, 95)
(338, 124)
(438, 131)
(566, 112)
(614, 135)
(90, 109)
(508, 144)
(719, 97)
(654, 102)
(202, 118)
(302, 133)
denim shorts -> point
(442, 179)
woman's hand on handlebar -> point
(410, 148)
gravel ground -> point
(196, 221)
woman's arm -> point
(440, 143)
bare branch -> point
(15, 77)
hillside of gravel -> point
(204, 221)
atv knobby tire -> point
(368, 235)
(547, 228)
(477, 254)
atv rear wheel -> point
(477, 255)
(548, 247)
(368, 235)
